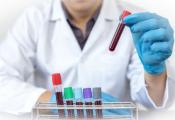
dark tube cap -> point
(97, 93)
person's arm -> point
(156, 85)
(153, 39)
(139, 87)
(17, 61)
(45, 97)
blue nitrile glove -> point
(153, 39)
(53, 98)
(108, 98)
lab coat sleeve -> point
(138, 88)
(17, 58)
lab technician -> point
(73, 37)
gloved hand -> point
(105, 98)
(153, 38)
(108, 98)
(53, 98)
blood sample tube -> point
(87, 93)
(119, 31)
(69, 96)
(79, 101)
(97, 96)
(56, 80)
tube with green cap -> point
(69, 96)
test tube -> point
(119, 31)
(69, 96)
(79, 101)
(56, 80)
(97, 96)
(87, 93)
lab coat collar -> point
(57, 12)
(108, 13)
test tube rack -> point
(49, 111)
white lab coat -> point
(41, 43)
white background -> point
(11, 9)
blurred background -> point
(11, 9)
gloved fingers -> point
(145, 47)
(136, 38)
(156, 35)
(151, 58)
(164, 47)
(117, 112)
(108, 98)
(52, 98)
(144, 16)
(138, 17)
(165, 22)
(150, 24)
(157, 52)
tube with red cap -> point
(119, 30)
(56, 80)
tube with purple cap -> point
(87, 93)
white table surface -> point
(143, 115)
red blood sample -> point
(119, 31)
(80, 113)
(97, 95)
(70, 112)
(87, 93)
(99, 113)
(78, 95)
(69, 96)
(59, 99)
(56, 80)
(89, 112)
